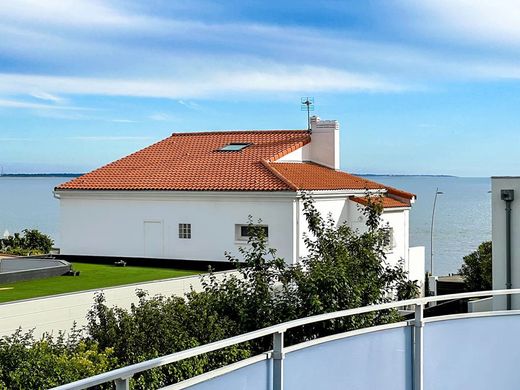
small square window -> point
(185, 230)
(234, 147)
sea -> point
(462, 212)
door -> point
(153, 239)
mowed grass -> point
(91, 276)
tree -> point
(30, 242)
(37, 241)
(477, 269)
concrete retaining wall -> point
(59, 312)
(16, 270)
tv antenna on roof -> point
(308, 105)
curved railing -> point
(121, 376)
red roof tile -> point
(385, 201)
(193, 162)
(311, 176)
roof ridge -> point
(273, 170)
(247, 131)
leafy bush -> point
(157, 326)
(30, 242)
(477, 269)
(27, 363)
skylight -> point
(234, 147)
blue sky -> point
(419, 87)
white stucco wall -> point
(145, 224)
(113, 224)
(299, 155)
(59, 312)
(499, 238)
(398, 220)
(336, 206)
(324, 148)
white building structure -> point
(189, 197)
(506, 200)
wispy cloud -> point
(14, 139)
(123, 121)
(26, 105)
(159, 116)
(56, 12)
(47, 96)
(189, 104)
(272, 79)
(496, 21)
(110, 138)
(218, 57)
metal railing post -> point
(122, 384)
(418, 366)
(278, 356)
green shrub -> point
(27, 363)
(477, 268)
(30, 242)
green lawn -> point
(91, 276)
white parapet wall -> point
(480, 305)
(59, 312)
(416, 266)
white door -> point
(153, 239)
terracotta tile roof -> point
(311, 176)
(191, 161)
(385, 201)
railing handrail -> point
(131, 370)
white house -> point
(189, 197)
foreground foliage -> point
(28, 242)
(27, 363)
(344, 269)
(477, 269)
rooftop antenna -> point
(308, 105)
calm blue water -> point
(462, 220)
(28, 202)
(462, 216)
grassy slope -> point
(91, 276)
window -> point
(234, 147)
(185, 230)
(389, 243)
(243, 232)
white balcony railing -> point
(422, 353)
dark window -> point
(245, 230)
(185, 230)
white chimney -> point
(324, 147)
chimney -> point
(324, 147)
